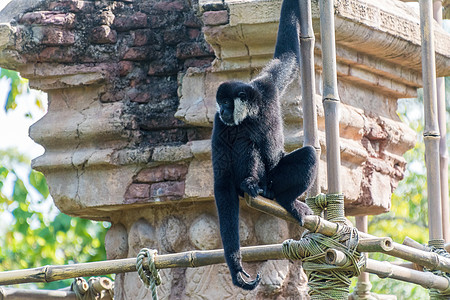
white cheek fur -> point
(240, 111)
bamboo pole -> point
(330, 95)
(443, 151)
(431, 130)
(363, 286)
(315, 224)
(189, 259)
(384, 269)
(310, 131)
(21, 294)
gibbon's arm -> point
(288, 31)
(283, 68)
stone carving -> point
(127, 136)
(116, 242)
(141, 235)
(204, 232)
(172, 233)
(271, 230)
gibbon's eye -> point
(242, 95)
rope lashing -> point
(150, 276)
(328, 281)
(437, 246)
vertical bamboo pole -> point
(330, 95)
(311, 136)
(363, 286)
(443, 152)
(431, 130)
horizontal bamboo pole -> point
(384, 269)
(424, 258)
(189, 259)
(21, 294)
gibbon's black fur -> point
(248, 144)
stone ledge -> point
(371, 27)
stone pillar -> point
(131, 87)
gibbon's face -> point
(233, 102)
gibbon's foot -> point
(239, 281)
(302, 210)
(250, 186)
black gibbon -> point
(248, 144)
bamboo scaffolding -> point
(385, 269)
(194, 259)
(443, 152)
(431, 130)
(330, 95)
(21, 294)
(363, 286)
(307, 39)
(315, 224)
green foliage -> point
(38, 235)
(409, 211)
(19, 85)
(33, 232)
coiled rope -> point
(437, 246)
(149, 276)
(327, 281)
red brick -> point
(56, 54)
(167, 189)
(137, 190)
(151, 175)
(54, 36)
(175, 172)
(136, 54)
(135, 21)
(213, 18)
(198, 63)
(71, 5)
(48, 18)
(162, 173)
(189, 50)
(193, 33)
(103, 35)
(144, 37)
(141, 98)
(170, 6)
(125, 67)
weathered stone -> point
(115, 151)
(141, 235)
(271, 230)
(125, 67)
(144, 37)
(53, 36)
(188, 50)
(103, 35)
(172, 234)
(135, 21)
(116, 242)
(137, 190)
(213, 18)
(204, 232)
(49, 18)
(170, 6)
(167, 189)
